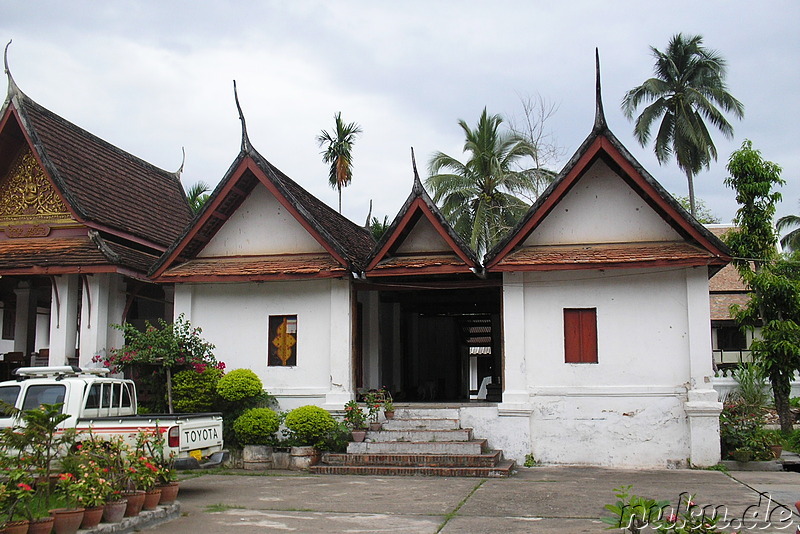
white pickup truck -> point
(107, 406)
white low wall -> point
(724, 385)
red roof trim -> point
(248, 278)
(90, 269)
(643, 188)
(417, 205)
(604, 266)
(410, 271)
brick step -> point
(460, 434)
(475, 446)
(488, 459)
(503, 469)
(420, 424)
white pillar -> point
(340, 359)
(702, 406)
(95, 316)
(515, 375)
(370, 330)
(183, 301)
(22, 315)
(63, 318)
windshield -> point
(8, 394)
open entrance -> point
(431, 344)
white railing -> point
(724, 384)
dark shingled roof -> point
(102, 183)
(69, 254)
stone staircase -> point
(419, 441)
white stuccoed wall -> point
(235, 316)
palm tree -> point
(338, 153)
(689, 83)
(197, 195)
(792, 239)
(479, 197)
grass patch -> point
(455, 510)
(217, 508)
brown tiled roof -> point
(103, 183)
(721, 303)
(255, 267)
(727, 279)
(68, 254)
(422, 261)
(606, 255)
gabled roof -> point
(347, 244)
(386, 260)
(706, 249)
(103, 186)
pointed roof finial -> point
(183, 161)
(246, 146)
(12, 86)
(599, 116)
(369, 215)
(417, 188)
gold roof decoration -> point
(27, 196)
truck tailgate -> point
(200, 434)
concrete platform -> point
(541, 500)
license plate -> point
(196, 454)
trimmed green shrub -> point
(238, 385)
(309, 425)
(256, 426)
(195, 392)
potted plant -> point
(374, 401)
(15, 496)
(142, 474)
(67, 520)
(355, 420)
(388, 404)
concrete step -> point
(421, 424)
(503, 469)
(426, 413)
(487, 459)
(461, 434)
(417, 447)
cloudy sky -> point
(154, 76)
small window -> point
(105, 398)
(35, 396)
(731, 338)
(126, 396)
(580, 335)
(93, 399)
(9, 394)
(116, 395)
(282, 351)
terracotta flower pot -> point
(169, 492)
(375, 426)
(151, 499)
(67, 520)
(43, 525)
(389, 414)
(135, 502)
(16, 527)
(114, 511)
(359, 435)
(92, 516)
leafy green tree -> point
(197, 195)
(774, 280)
(338, 153)
(688, 85)
(377, 227)
(479, 197)
(792, 239)
(703, 214)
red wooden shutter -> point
(580, 335)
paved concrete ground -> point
(541, 499)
